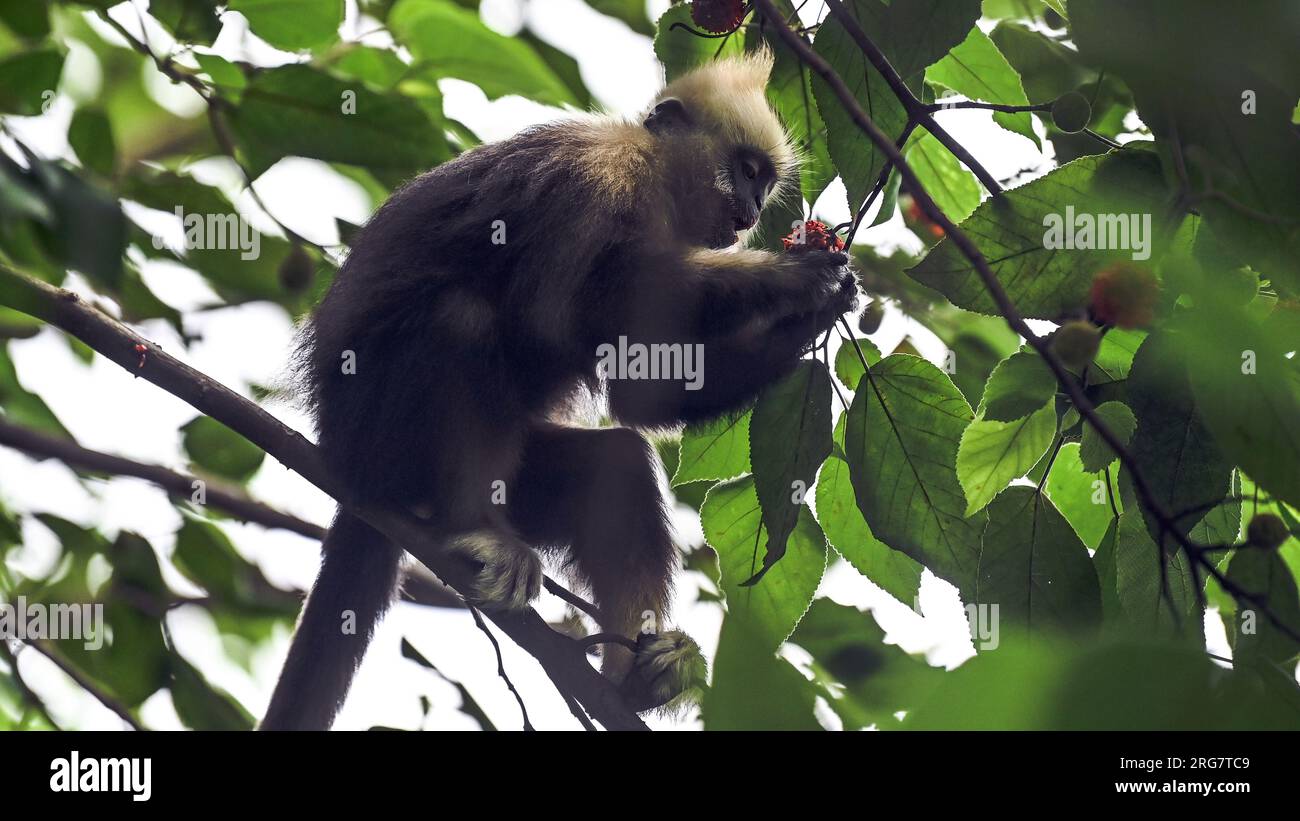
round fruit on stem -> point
(1076, 344)
(1267, 530)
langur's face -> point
(718, 188)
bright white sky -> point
(107, 409)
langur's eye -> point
(750, 169)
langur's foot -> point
(668, 672)
(511, 575)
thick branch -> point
(562, 658)
(45, 446)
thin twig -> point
(501, 665)
(86, 684)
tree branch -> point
(916, 110)
(991, 283)
(234, 502)
(562, 658)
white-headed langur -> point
(474, 303)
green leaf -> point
(1209, 81)
(789, 438)
(454, 42)
(31, 21)
(837, 513)
(1044, 282)
(1115, 357)
(632, 12)
(954, 189)
(865, 680)
(1094, 453)
(912, 35)
(901, 441)
(976, 69)
(752, 688)
(564, 66)
(680, 51)
(1171, 445)
(379, 67)
(194, 21)
(89, 231)
(1033, 566)
(468, 704)
(848, 362)
(991, 454)
(1145, 607)
(219, 450)
(1248, 394)
(1046, 68)
(1110, 686)
(292, 25)
(1081, 496)
(712, 450)
(1020, 385)
(202, 706)
(732, 522)
(1264, 574)
(296, 110)
(28, 81)
(91, 136)
(21, 406)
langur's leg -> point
(597, 492)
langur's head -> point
(722, 148)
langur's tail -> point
(358, 578)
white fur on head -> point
(729, 96)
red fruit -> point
(1124, 295)
(718, 16)
(917, 219)
(817, 236)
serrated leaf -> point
(1017, 387)
(848, 362)
(1171, 445)
(733, 524)
(1011, 231)
(837, 512)
(954, 189)
(1033, 566)
(1139, 589)
(1081, 496)
(292, 25)
(680, 51)
(297, 111)
(991, 454)
(1247, 392)
(789, 438)
(713, 450)
(976, 69)
(1265, 575)
(901, 440)
(1094, 453)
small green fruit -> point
(1071, 112)
(1076, 344)
(297, 270)
(1267, 530)
(869, 322)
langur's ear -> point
(668, 113)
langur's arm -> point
(744, 331)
